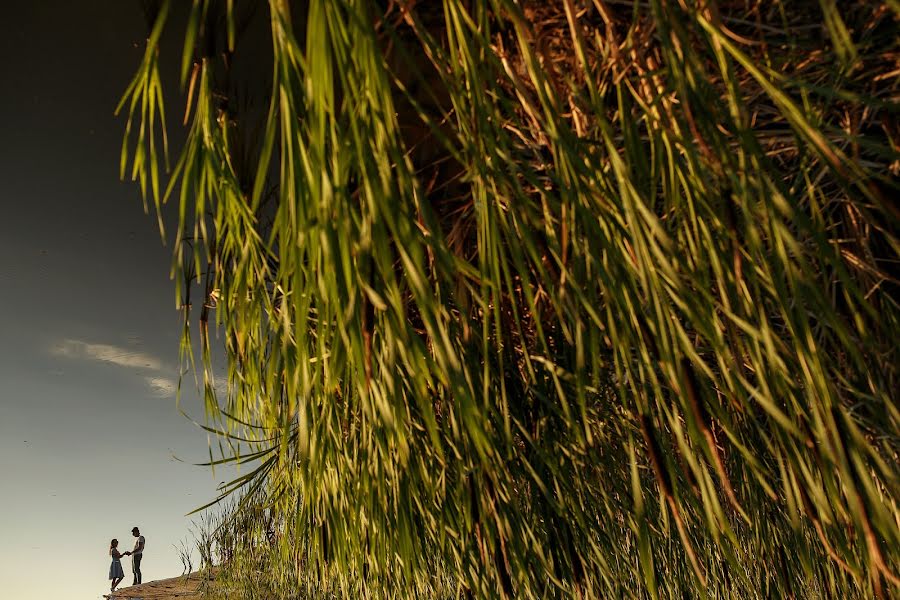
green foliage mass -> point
(523, 299)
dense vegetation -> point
(526, 299)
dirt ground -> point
(177, 588)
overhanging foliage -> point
(544, 299)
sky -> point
(89, 428)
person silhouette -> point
(116, 574)
(136, 555)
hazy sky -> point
(88, 326)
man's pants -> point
(136, 567)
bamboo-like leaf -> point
(540, 300)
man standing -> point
(136, 555)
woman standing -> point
(116, 574)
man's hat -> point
(133, 529)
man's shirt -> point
(138, 545)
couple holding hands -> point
(116, 574)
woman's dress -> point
(115, 569)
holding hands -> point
(126, 553)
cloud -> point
(162, 386)
(107, 353)
(152, 369)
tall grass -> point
(542, 299)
